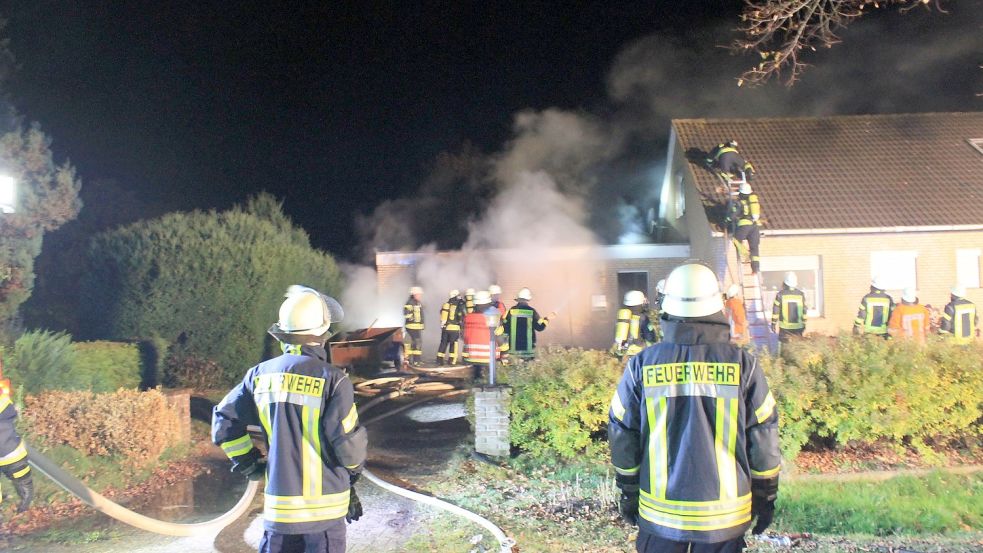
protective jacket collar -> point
(713, 329)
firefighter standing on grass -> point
(451, 318)
(744, 216)
(788, 313)
(13, 453)
(693, 429)
(413, 322)
(959, 318)
(522, 323)
(875, 311)
(306, 409)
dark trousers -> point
(785, 335)
(413, 345)
(329, 541)
(649, 543)
(448, 349)
(752, 234)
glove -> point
(25, 490)
(354, 507)
(250, 464)
(256, 471)
(628, 507)
(764, 509)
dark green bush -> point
(560, 403)
(42, 360)
(209, 283)
(107, 366)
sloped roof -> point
(850, 172)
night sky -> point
(199, 104)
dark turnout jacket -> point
(694, 419)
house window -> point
(968, 268)
(632, 280)
(976, 143)
(895, 269)
(808, 270)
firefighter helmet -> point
(791, 279)
(692, 290)
(878, 282)
(732, 143)
(634, 298)
(469, 292)
(745, 188)
(494, 289)
(454, 293)
(732, 290)
(909, 295)
(524, 294)
(305, 316)
(482, 297)
(958, 291)
(660, 286)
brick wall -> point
(491, 415)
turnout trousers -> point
(331, 540)
(449, 345)
(413, 344)
(649, 543)
(752, 234)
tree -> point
(47, 198)
(780, 31)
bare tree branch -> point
(779, 30)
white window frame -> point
(976, 143)
(968, 267)
(797, 263)
(897, 269)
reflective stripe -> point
(617, 408)
(711, 520)
(767, 408)
(17, 454)
(766, 473)
(4, 402)
(287, 397)
(21, 472)
(693, 389)
(627, 472)
(262, 409)
(238, 446)
(349, 422)
(725, 438)
(305, 509)
(692, 507)
(311, 452)
(658, 455)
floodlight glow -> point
(8, 194)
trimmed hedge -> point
(44, 360)
(108, 366)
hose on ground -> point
(99, 502)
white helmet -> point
(745, 188)
(791, 279)
(469, 292)
(634, 298)
(416, 291)
(909, 295)
(494, 289)
(482, 297)
(878, 282)
(692, 291)
(524, 294)
(732, 290)
(305, 316)
(454, 293)
(660, 286)
(958, 290)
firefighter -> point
(478, 337)
(909, 320)
(729, 163)
(959, 319)
(875, 310)
(633, 331)
(13, 452)
(660, 292)
(469, 301)
(693, 429)
(521, 324)
(743, 217)
(451, 318)
(413, 323)
(734, 307)
(306, 410)
(788, 313)
(496, 296)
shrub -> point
(107, 366)
(561, 401)
(186, 370)
(134, 426)
(42, 360)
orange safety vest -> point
(909, 321)
(735, 306)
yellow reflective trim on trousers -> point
(21, 472)
(721, 510)
(627, 472)
(349, 422)
(766, 473)
(238, 446)
(17, 454)
(725, 439)
(766, 409)
(709, 505)
(617, 408)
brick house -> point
(843, 199)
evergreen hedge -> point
(42, 360)
(209, 283)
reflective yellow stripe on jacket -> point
(306, 509)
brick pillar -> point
(180, 402)
(491, 413)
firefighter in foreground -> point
(522, 323)
(451, 319)
(693, 429)
(729, 163)
(306, 409)
(413, 323)
(909, 320)
(959, 318)
(13, 453)
(477, 335)
(744, 217)
(875, 311)
(788, 313)
(633, 330)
